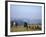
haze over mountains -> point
(29, 21)
(26, 13)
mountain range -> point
(29, 21)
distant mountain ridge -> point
(33, 21)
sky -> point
(25, 11)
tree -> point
(25, 25)
(11, 23)
(16, 24)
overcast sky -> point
(25, 11)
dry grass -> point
(22, 28)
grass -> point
(22, 28)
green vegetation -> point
(26, 27)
